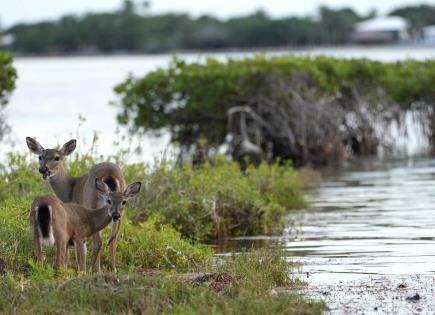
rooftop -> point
(389, 23)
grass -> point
(245, 287)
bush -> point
(8, 76)
(309, 110)
(216, 200)
(206, 202)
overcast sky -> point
(15, 11)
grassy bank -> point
(162, 266)
(241, 285)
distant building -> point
(381, 30)
(428, 34)
(6, 40)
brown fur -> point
(72, 222)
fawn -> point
(80, 190)
(58, 223)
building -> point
(381, 30)
(6, 40)
(428, 34)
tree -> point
(8, 76)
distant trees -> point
(131, 29)
(418, 16)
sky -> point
(12, 12)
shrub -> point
(8, 76)
(216, 200)
(309, 110)
(206, 202)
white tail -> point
(43, 215)
(80, 190)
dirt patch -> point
(217, 281)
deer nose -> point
(116, 216)
(43, 169)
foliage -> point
(215, 200)
(309, 110)
(250, 279)
(8, 76)
(205, 202)
(419, 16)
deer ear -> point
(132, 190)
(102, 187)
(34, 146)
(68, 147)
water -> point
(52, 92)
(374, 218)
(367, 241)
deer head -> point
(50, 160)
(115, 201)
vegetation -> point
(204, 203)
(133, 29)
(160, 270)
(308, 110)
(215, 201)
(241, 285)
(8, 76)
(419, 16)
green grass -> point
(247, 289)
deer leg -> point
(81, 254)
(113, 243)
(67, 257)
(113, 252)
(38, 249)
(96, 252)
(60, 253)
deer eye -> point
(124, 202)
(40, 158)
(109, 201)
(57, 158)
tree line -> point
(132, 29)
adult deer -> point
(58, 223)
(80, 190)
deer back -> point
(109, 173)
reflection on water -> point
(373, 218)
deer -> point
(80, 190)
(57, 223)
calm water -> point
(52, 92)
(375, 218)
